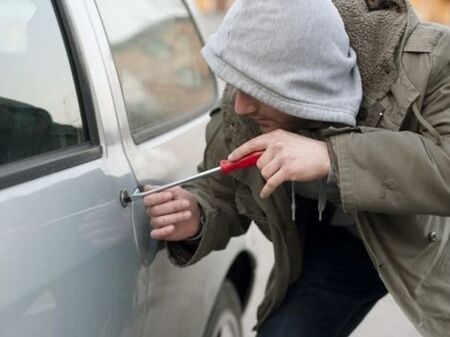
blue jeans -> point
(338, 288)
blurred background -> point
(386, 319)
(431, 10)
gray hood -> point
(293, 55)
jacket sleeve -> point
(400, 172)
(215, 196)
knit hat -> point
(293, 55)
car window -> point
(156, 49)
(39, 109)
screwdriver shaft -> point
(175, 183)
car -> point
(97, 99)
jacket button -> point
(432, 237)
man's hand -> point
(174, 214)
(287, 157)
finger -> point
(276, 180)
(176, 190)
(267, 156)
(162, 221)
(259, 143)
(162, 233)
(157, 198)
(170, 207)
(270, 169)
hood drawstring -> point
(293, 204)
(426, 125)
(322, 202)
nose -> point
(244, 104)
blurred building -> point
(433, 10)
(214, 6)
(430, 10)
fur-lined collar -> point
(376, 29)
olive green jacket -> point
(393, 169)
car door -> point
(163, 91)
(69, 264)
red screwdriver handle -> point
(227, 166)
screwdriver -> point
(225, 167)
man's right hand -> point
(174, 214)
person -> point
(354, 208)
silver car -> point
(97, 99)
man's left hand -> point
(287, 157)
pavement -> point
(385, 319)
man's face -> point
(268, 118)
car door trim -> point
(34, 167)
(47, 163)
(79, 71)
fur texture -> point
(375, 28)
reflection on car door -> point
(68, 259)
(163, 91)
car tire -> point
(225, 318)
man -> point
(388, 227)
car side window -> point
(39, 108)
(156, 50)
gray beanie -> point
(293, 55)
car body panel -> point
(73, 260)
(163, 159)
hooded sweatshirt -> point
(293, 55)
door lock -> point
(124, 198)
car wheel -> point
(225, 318)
